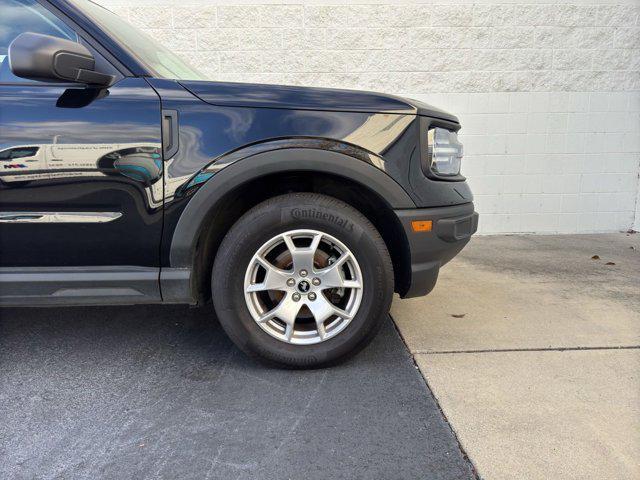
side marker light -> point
(421, 225)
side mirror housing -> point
(43, 57)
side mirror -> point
(43, 57)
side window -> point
(20, 16)
(18, 152)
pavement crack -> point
(507, 350)
(304, 412)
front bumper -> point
(451, 230)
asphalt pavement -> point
(160, 392)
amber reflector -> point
(421, 225)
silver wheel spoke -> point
(287, 311)
(322, 331)
(331, 276)
(289, 242)
(288, 333)
(303, 256)
(322, 309)
(351, 284)
(274, 279)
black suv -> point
(127, 178)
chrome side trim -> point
(59, 217)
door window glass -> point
(19, 16)
(18, 152)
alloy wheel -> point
(303, 287)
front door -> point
(80, 180)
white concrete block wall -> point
(548, 94)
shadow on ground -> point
(160, 392)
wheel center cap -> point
(304, 286)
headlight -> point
(444, 152)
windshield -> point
(161, 61)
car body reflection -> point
(31, 162)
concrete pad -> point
(524, 292)
(490, 339)
(542, 415)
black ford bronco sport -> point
(127, 178)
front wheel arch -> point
(221, 210)
(224, 182)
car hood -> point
(308, 98)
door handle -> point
(170, 141)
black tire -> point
(281, 214)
